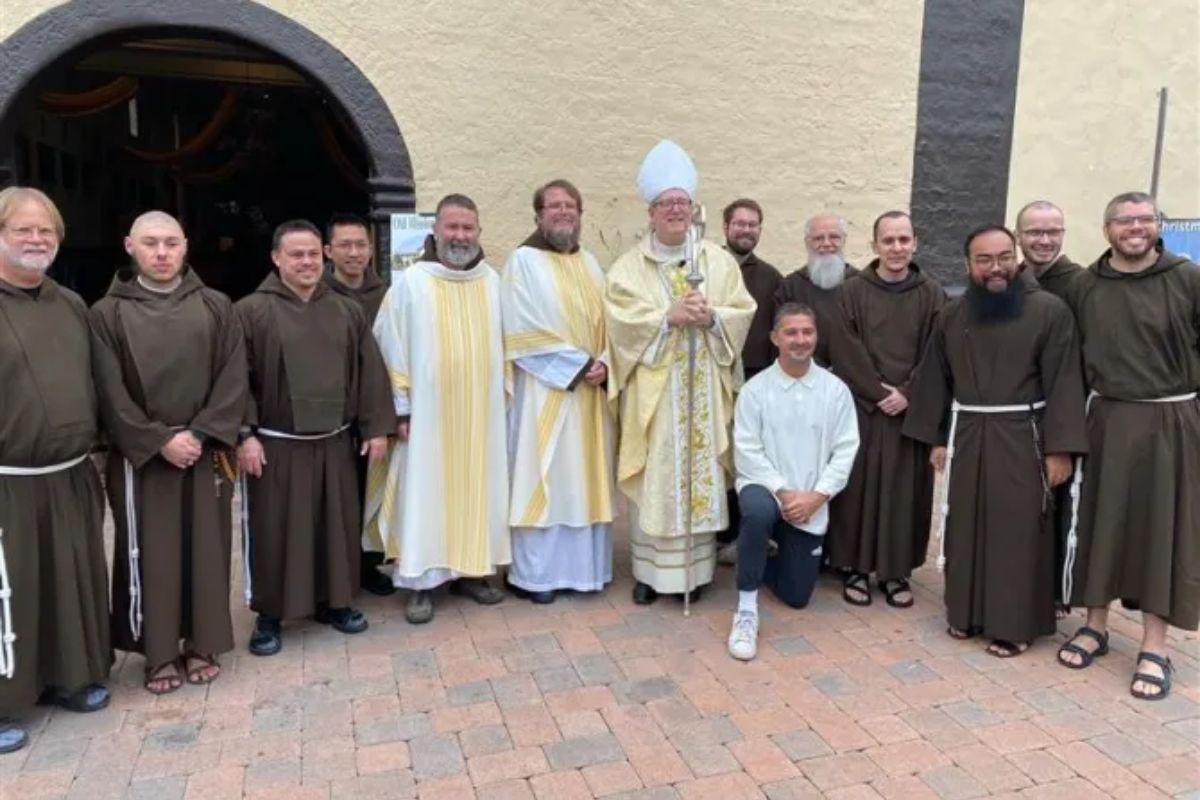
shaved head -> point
(155, 219)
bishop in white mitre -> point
(651, 313)
(560, 438)
(439, 508)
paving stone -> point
(611, 778)
(706, 760)
(645, 690)
(55, 754)
(484, 740)
(466, 694)
(794, 789)
(1048, 700)
(158, 789)
(970, 714)
(912, 672)
(802, 744)
(792, 645)
(516, 690)
(271, 773)
(394, 785)
(1123, 749)
(415, 664)
(584, 751)
(655, 793)
(709, 730)
(597, 669)
(436, 756)
(831, 684)
(173, 737)
(557, 679)
(952, 783)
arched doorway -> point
(170, 48)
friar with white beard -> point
(999, 395)
(818, 284)
(54, 634)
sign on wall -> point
(1182, 236)
(408, 238)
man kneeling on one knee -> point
(795, 435)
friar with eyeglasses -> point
(999, 396)
(650, 308)
(1040, 233)
(352, 274)
(54, 635)
(1138, 530)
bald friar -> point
(170, 368)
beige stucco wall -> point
(803, 105)
(1087, 108)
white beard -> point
(29, 263)
(826, 272)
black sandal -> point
(1163, 683)
(893, 587)
(1002, 648)
(961, 635)
(856, 582)
(1086, 656)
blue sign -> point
(1182, 236)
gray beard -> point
(34, 264)
(456, 256)
(562, 241)
(827, 272)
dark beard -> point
(737, 249)
(988, 306)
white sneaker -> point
(727, 555)
(743, 636)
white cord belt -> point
(300, 437)
(247, 582)
(1077, 489)
(957, 408)
(8, 660)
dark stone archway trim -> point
(966, 102)
(66, 31)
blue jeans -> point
(792, 574)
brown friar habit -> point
(369, 295)
(880, 522)
(762, 281)
(1055, 279)
(1139, 527)
(825, 303)
(52, 524)
(1000, 572)
(314, 369)
(166, 362)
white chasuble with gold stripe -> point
(561, 442)
(439, 504)
(649, 376)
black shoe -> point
(85, 701)
(12, 736)
(541, 598)
(346, 620)
(371, 578)
(643, 594)
(266, 639)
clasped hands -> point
(691, 309)
(798, 506)
(895, 403)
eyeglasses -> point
(1126, 221)
(1043, 233)
(27, 233)
(988, 261)
(675, 202)
(560, 207)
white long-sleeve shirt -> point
(795, 433)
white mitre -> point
(666, 167)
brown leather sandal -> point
(157, 682)
(196, 674)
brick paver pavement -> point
(595, 697)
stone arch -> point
(65, 32)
